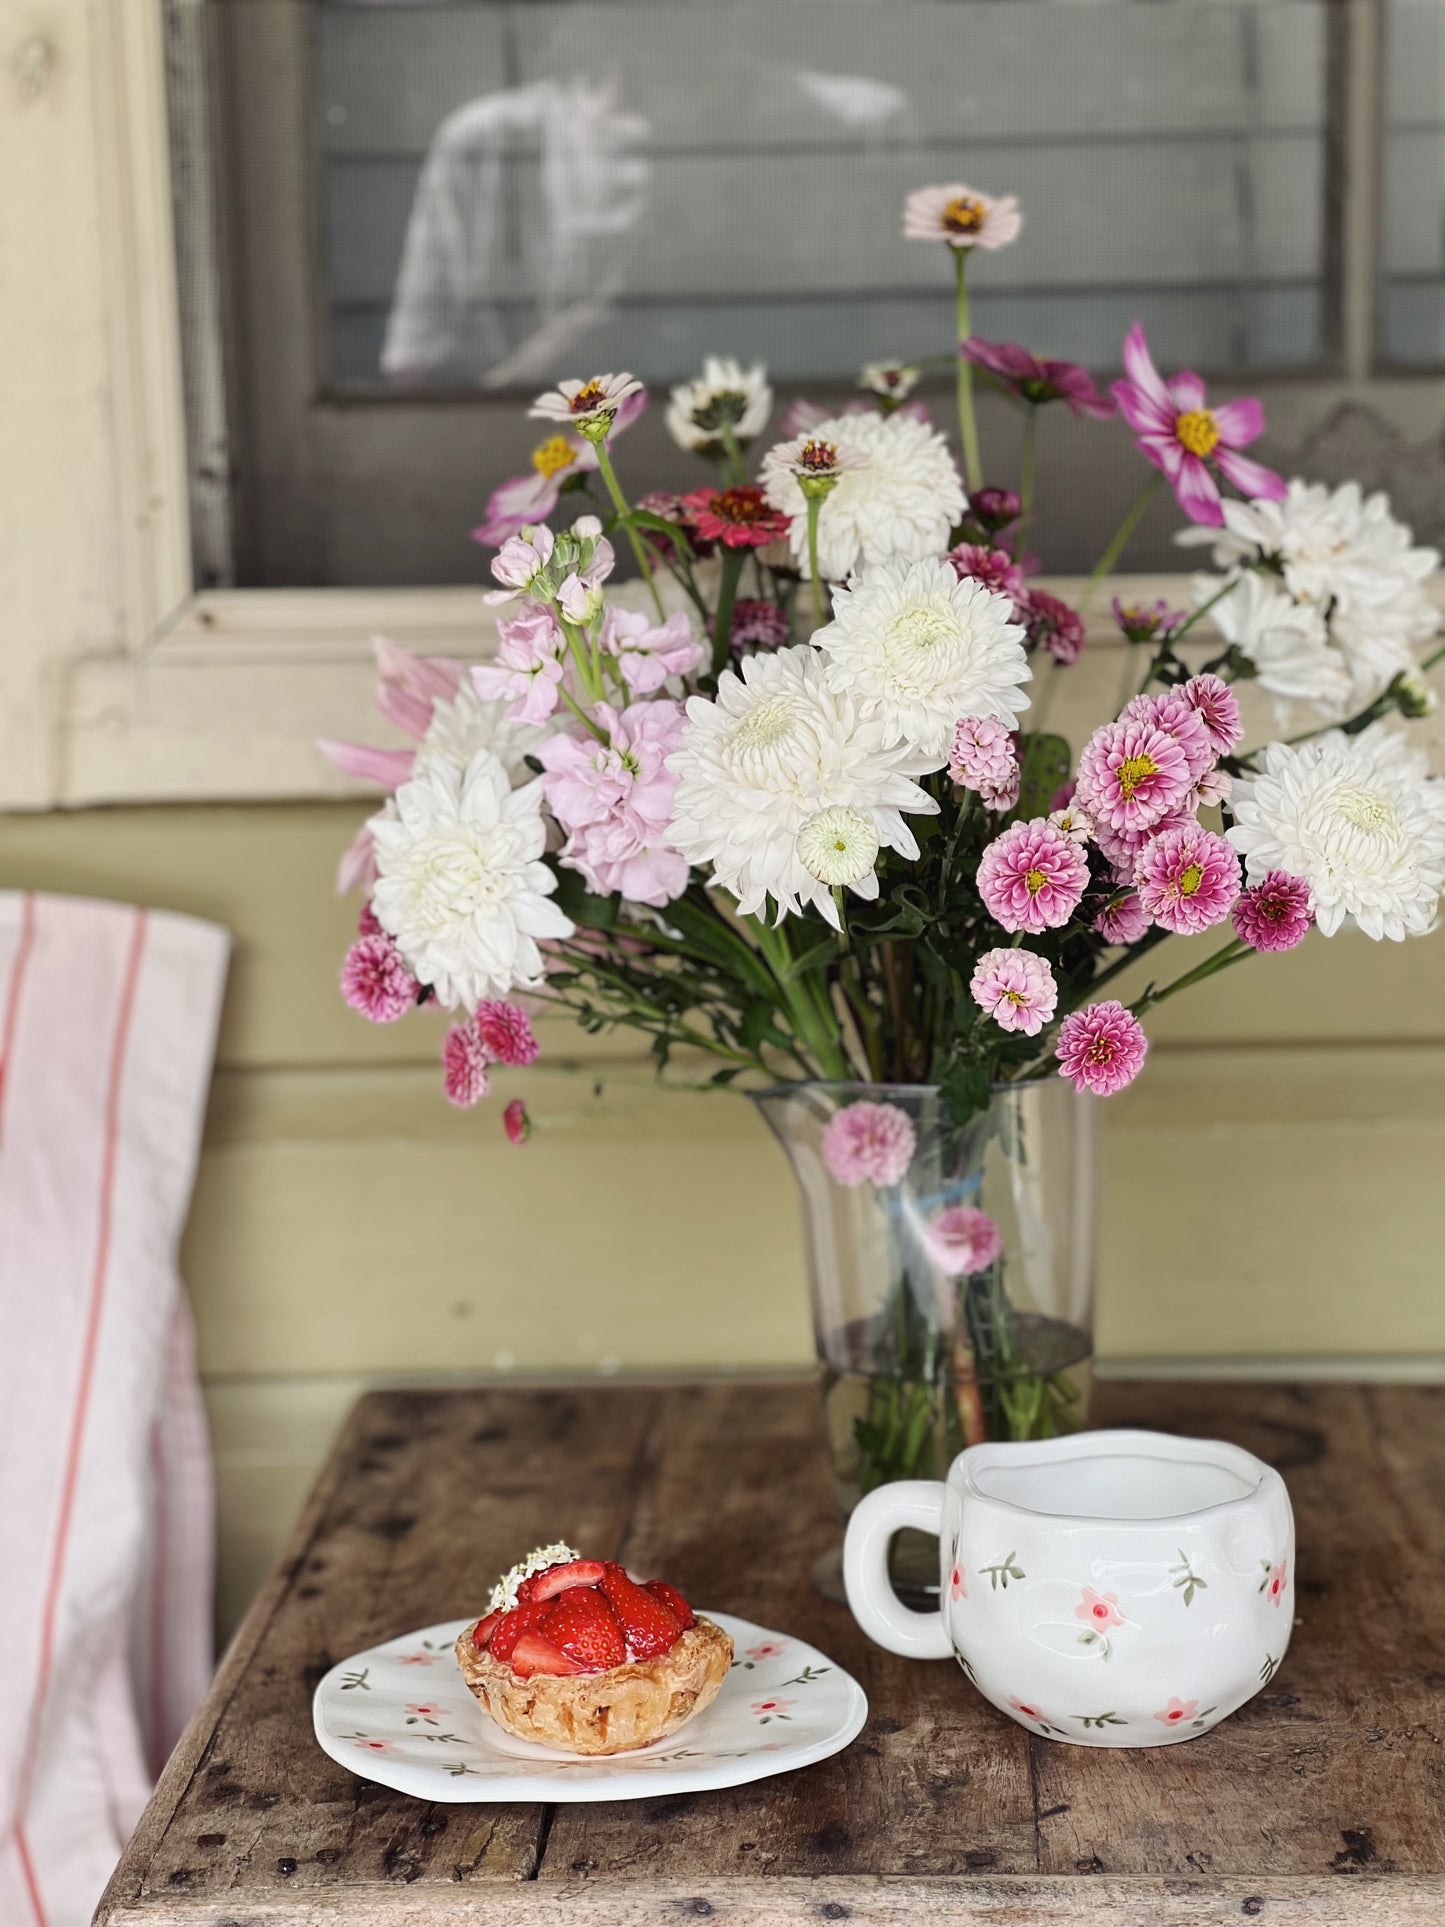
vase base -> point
(827, 1576)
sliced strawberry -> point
(484, 1629)
(510, 1628)
(534, 1654)
(581, 1623)
(650, 1626)
(547, 1585)
(673, 1600)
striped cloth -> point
(107, 1028)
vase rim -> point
(786, 1085)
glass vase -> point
(952, 1299)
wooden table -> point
(1322, 1800)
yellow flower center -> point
(818, 457)
(1133, 771)
(1035, 881)
(1015, 997)
(552, 456)
(1366, 810)
(1190, 881)
(964, 215)
(1197, 429)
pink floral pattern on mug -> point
(957, 1585)
(1275, 1580)
(1177, 1712)
(1099, 1609)
(1022, 1706)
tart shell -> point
(612, 1712)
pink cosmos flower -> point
(1032, 877)
(1099, 1609)
(740, 517)
(869, 1143)
(1177, 1712)
(1123, 918)
(962, 216)
(464, 1066)
(984, 760)
(1146, 621)
(1051, 625)
(526, 671)
(994, 568)
(1131, 775)
(615, 801)
(758, 624)
(376, 981)
(1217, 707)
(1030, 379)
(1016, 988)
(962, 1240)
(1276, 914)
(526, 499)
(1188, 880)
(1101, 1048)
(995, 508)
(516, 1123)
(506, 1033)
(1176, 431)
(1179, 719)
(649, 655)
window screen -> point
(1413, 304)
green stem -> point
(820, 614)
(732, 568)
(582, 716)
(587, 671)
(619, 502)
(1046, 685)
(1232, 953)
(1121, 538)
(1028, 472)
(967, 426)
(737, 466)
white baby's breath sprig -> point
(504, 1593)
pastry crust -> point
(611, 1712)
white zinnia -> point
(724, 391)
(460, 884)
(1359, 818)
(901, 501)
(838, 846)
(1286, 640)
(917, 650)
(774, 749)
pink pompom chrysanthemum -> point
(1122, 847)
(1178, 719)
(516, 1123)
(1132, 775)
(758, 624)
(464, 1066)
(1276, 914)
(1217, 707)
(984, 760)
(368, 924)
(375, 979)
(1101, 1048)
(1123, 918)
(506, 1033)
(1188, 880)
(996, 569)
(1016, 988)
(868, 1142)
(1032, 877)
(963, 1239)
(1051, 625)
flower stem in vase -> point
(966, 1395)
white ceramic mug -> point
(1110, 1588)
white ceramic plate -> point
(401, 1714)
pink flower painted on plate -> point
(1101, 1048)
(962, 1240)
(869, 1143)
(370, 1746)
(1218, 709)
(416, 1659)
(1188, 880)
(1131, 775)
(1179, 719)
(376, 981)
(1016, 988)
(996, 569)
(1186, 440)
(1032, 877)
(516, 1123)
(1053, 626)
(1276, 1583)
(506, 1031)
(464, 1066)
(1123, 918)
(423, 1710)
(767, 1649)
(984, 760)
(957, 1584)
(1030, 378)
(1099, 1609)
(1177, 1712)
(772, 1708)
(1275, 914)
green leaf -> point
(645, 519)
(1044, 762)
(576, 901)
(966, 1086)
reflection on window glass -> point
(515, 191)
(1413, 304)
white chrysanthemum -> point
(1285, 640)
(464, 725)
(725, 391)
(900, 503)
(776, 748)
(459, 881)
(918, 650)
(838, 846)
(1360, 819)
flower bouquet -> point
(789, 805)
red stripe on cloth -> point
(81, 1412)
(12, 994)
(161, 1526)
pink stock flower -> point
(516, 1123)
(649, 655)
(758, 624)
(526, 671)
(984, 760)
(962, 1240)
(1177, 1712)
(1032, 877)
(1031, 379)
(1146, 621)
(464, 1066)
(994, 568)
(1217, 707)
(615, 801)
(1176, 431)
(1016, 988)
(1051, 625)
(1123, 918)
(521, 558)
(1179, 719)
(376, 981)
(1188, 880)
(1131, 776)
(1099, 1610)
(962, 216)
(1276, 914)
(869, 1143)
(506, 1033)
(740, 517)
(1101, 1048)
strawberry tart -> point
(576, 1654)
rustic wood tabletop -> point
(1322, 1800)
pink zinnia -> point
(758, 624)
(1146, 621)
(526, 499)
(1131, 776)
(1030, 379)
(375, 979)
(740, 517)
(1016, 988)
(1179, 719)
(1276, 914)
(1101, 1048)
(516, 1123)
(506, 1032)
(1188, 880)
(995, 508)
(1217, 707)
(464, 1066)
(1123, 918)
(869, 1142)
(1182, 437)
(1051, 625)
(984, 760)
(962, 1239)
(994, 568)
(1032, 877)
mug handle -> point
(871, 1598)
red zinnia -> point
(740, 517)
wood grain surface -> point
(1322, 1800)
